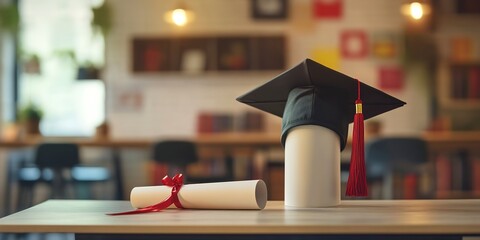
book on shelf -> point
(275, 180)
(476, 174)
(222, 123)
(461, 49)
(208, 122)
(457, 172)
(474, 83)
(205, 122)
(250, 121)
(466, 168)
(465, 82)
(443, 173)
(211, 122)
(410, 183)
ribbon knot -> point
(176, 183)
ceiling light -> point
(416, 10)
(179, 16)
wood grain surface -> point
(351, 217)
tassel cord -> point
(357, 181)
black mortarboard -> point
(312, 94)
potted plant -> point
(31, 64)
(88, 71)
(30, 116)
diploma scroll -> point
(250, 194)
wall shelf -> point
(202, 54)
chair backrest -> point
(178, 153)
(400, 154)
(57, 155)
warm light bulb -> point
(416, 10)
(179, 17)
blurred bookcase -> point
(455, 158)
(457, 174)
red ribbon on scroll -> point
(176, 183)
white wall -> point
(172, 101)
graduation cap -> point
(312, 94)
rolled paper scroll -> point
(250, 194)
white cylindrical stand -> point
(312, 167)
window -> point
(59, 35)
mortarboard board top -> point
(321, 96)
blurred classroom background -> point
(116, 78)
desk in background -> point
(385, 219)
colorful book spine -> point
(465, 82)
(443, 167)
(474, 83)
(204, 123)
(476, 174)
(457, 83)
(410, 186)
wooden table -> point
(445, 219)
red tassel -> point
(357, 180)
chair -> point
(58, 166)
(177, 155)
(386, 157)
